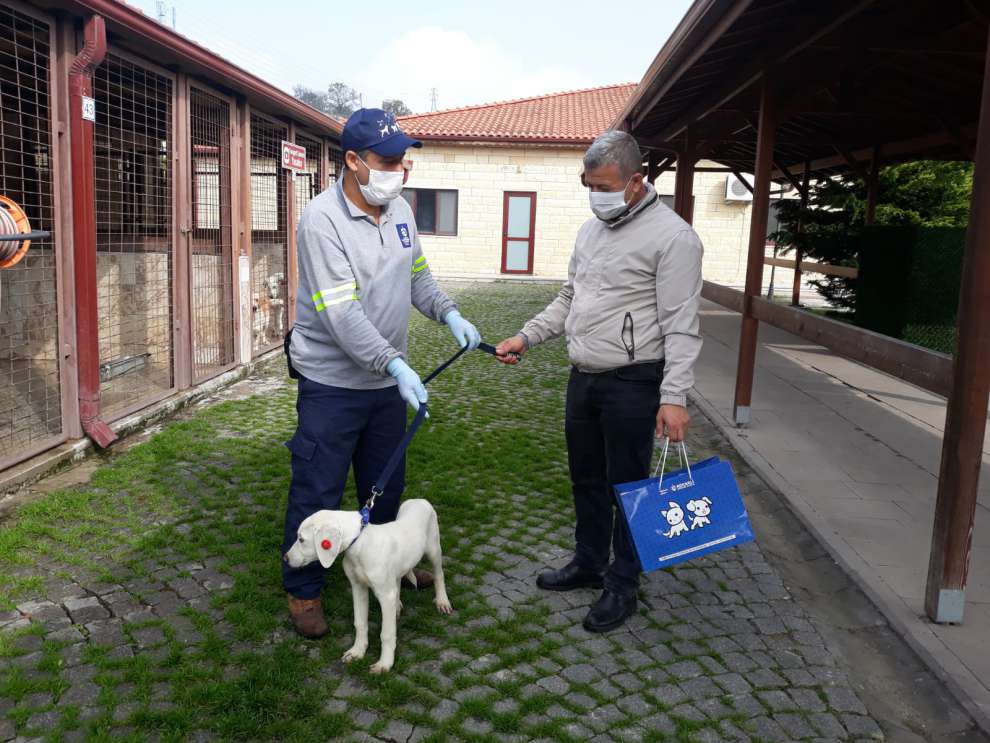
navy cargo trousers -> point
(339, 428)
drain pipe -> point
(82, 117)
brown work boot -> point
(424, 579)
(307, 617)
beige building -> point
(497, 193)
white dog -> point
(675, 517)
(700, 508)
(381, 556)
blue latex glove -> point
(410, 387)
(464, 332)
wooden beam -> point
(798, 270)
(891, 150)
(757, 245)
(873, 188)
(929, 370)
(826, 269)
(791, 179)
(742, 179)
(853, 164)
(724, 23)
(966, 416)
(684, 181)
(804, 36)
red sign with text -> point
(293, 157)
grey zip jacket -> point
(357, 280)
(631, 297)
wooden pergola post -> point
(873, 188)
(765, 135)
(798, 274)
(652, 166)
(966, 416)
(684, 178)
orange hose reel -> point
(15, 233)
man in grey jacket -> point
(629, 310)
(361, 267)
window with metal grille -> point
(211, 237)
(133, 147)
(436, 211)
(269, 265)
(30, 396)
(309, 182)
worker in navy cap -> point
(361, 269)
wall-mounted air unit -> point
(735, 190)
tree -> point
(342, 100)
(924, 193)
(396, 107)
(311, 97)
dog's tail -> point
(411, 577)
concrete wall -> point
(482, 173)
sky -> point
(469, 52)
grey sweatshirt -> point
(357, 280)
(646, 265)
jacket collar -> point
(645, 203)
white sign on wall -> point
(88, 108)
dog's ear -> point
(328, 543)
(692, 505)
(707, 500)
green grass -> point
(209, 490)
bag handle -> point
(682, 454)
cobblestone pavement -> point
(145, 605)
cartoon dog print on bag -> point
(700, 508)
(675, 517)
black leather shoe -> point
(609, 612)
(568, 578)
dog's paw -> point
(443, 606)
(355, 653)
(381, 667)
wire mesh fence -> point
(211, 237)
(30, 396)
(908, 285)
(269, 244)
(309, 182)
(133, 146)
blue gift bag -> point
(684, 514)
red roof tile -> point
(574, 117)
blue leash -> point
(379, 487)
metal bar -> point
(767, 128)
(966, 417)
(292, 275)
(84, 232)
(798, 262)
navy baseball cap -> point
(373, 129)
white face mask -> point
(383, 185)
(608, 205)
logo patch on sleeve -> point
(404, 236)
